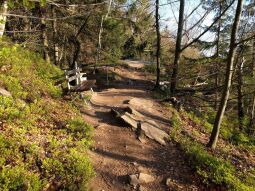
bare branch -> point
(208, 28)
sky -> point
(169, 15)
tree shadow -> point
(168, 162)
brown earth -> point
(117, 152)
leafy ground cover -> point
(214, 167)
(43, 139)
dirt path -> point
(117, 152)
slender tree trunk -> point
(252, 117)
(217, 64)
(240, 93)
(158, 43)
(253, 60)
(229, 72)
(54, 36)
(27, 22)
(177, 48)
(252, 110)
(45, 42)
(62, 53)
(76, 42)
(77, 48)
(3, 18)
(99, 46)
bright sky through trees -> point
(169, 14)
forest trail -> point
(117, 152)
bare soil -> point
(117, 152)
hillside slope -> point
(43, 139)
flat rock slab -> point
(149, 127)
(4, 92)
(141, 103)
(154, 132)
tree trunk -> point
(3, 18)
(76, 42)
(252, 110)
(99, 46)
(158, 43)
(177, 48)
(240, 93)
(217, 64)
(77, 48)
(252, 117)
(229, 72)
(54, 36)
(45, 42)
(100, 34)
(27, 23)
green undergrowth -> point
(210, 168)
(43, 139)
(150, 68)
(229, 129)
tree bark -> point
(45, 42)
(229, 72)
(177, 48)
(252, 110)
(54, 36)
(240, 93)
(158, 43)
(77, 48)
(76, 42)
(252, 117)
(217, 56)
(99, 46)
(3, 18)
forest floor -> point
(117, 153)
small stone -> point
(5, 68)
(99, 126)
(168, 182)
(133, 179)
(141, 139)
(4, 92)
(134, 163)
(145, 178)
(141, 188)
(140, 178)
(142, 169)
